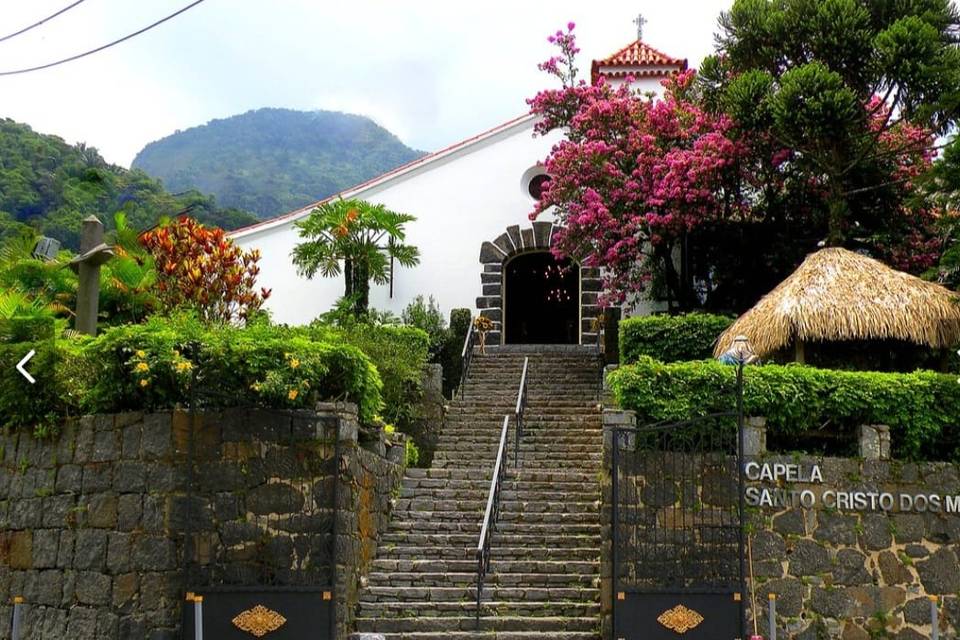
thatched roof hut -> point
(838, 295)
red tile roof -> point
(639, 54)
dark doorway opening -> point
(541, 300)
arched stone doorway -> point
(526, 251)
(541, 300)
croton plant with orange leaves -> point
(202, 269)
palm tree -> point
(364, 237)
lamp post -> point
(741, 353)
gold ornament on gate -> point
(259, 621)
(680, 619)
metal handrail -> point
(521, 406)
(490, 516)
(466, 356)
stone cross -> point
(640, 21)
(93, 254)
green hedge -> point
(921, 408)
(151, 366)
(670, 338)
(399, 353)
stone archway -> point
(496, 253)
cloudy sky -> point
(431, 71)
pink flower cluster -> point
(632, 174)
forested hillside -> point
(51, 186)
(271, 161)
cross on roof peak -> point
(640, 21)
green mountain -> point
(271, 161)
(51, 186)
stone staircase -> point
(544, 574)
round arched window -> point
(536, 185)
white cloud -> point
(432, 72)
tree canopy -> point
(50, 186)
(814, 124)
(270, 161)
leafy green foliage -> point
(426, 315)
(921, 408)
(63, 372)
(453, 349)
(671, 338)
(152, 366)
(411, 453)
(841, 102)
(50, 186)
(270, 161)
(356, 238)
(399, 354)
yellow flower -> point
(389, 428)
(141, 353)
(184, 365)
(294, 363)
(141, 367)
(292, 394)
(144, 382)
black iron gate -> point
(677, 534)
(259, 521)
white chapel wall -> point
(460, 201)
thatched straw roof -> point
(837, 294)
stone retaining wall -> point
(92, 523)
(854, 550)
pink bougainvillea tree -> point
(673, 194)
(633, 176)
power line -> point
(37, 24)
(106, 46)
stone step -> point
(573, 609)
(468, 551)
(585, 459)
(472, 473)
(507, 518)
(468, 540)
(492, 592)
(498, 565)
(556, 386)
(527, 446)
(507, 505)
(506, 495)
(509, 485)
(399, 525)
(467, 623)
(486, 635)
(427, 579)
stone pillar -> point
(618, 419)
(874, 442)
(755, 436)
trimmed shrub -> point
(670, 338)
(399, 354)
(152, 365)
(453, 349)
(425, 314)
(921, 408)
(63, 373)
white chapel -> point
(478, 248)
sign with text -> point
(772, 485)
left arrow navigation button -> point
(23, 371)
